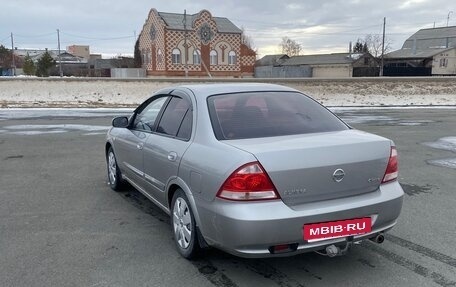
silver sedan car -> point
(256, 170)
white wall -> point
(332, 71)
(450, 59)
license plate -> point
(334, 229)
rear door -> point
(165, 147)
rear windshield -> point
(269, 114)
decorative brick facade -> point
(204, 45)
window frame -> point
(176, 58)
(213, 58)
(182, 95)
(232, 58)
(196, 55)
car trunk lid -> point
(321, 166)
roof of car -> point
(205, 90)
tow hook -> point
(333, 250)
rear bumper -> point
(250, 229)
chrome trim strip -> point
(134, 169)
(155, 181)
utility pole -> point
(383, 46)
(448, 17)
(12, 56)
(185, 44)
(60, 59)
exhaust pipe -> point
(379, 238)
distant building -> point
(425, 53)
(82, 51)
(202, 44)
(336, 65)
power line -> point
(100, 39)
(35, 36)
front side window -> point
(176, 56)
(269, 114)
(172, 121)
(213, 57)
(146, 117)
(231, 58)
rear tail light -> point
(392, 168)
(247, 183)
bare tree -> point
(374, 44)
(290, 47)
(247, 40)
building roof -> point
(416, 54)
(442, 37)
(323, 59)
(272, 60)
(176, 21)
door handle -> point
(140, 146)
(172, 156)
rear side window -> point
(269, 114)
(173, 117)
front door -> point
(136, 136)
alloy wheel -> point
(182, 223)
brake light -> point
(247, 183)
(392, 168)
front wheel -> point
(114, 175)
(184, 226)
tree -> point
(137, 55)
(372, 43)
(247, 40)
(44, 64)
(29, 66)
(360, 47)
(5, 57)
(290, 47)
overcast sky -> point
(319, 26)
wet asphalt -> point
(61, 225)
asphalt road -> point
(61, 225)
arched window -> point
(231, 58)
(159, 56)
(143, 57)
(196, 57)
(213, 57)
(176, 56)
(149, 57)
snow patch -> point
(446, 143)
(450, 163)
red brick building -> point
(202, 44)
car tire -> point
(115, 180)
(184, 226)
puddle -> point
(412, 189)
(8, 114)
(34, 133)
(450, 162)
(53, 129)
(446, 143)
(352, 118)
(363, 119)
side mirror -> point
(120, 122)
